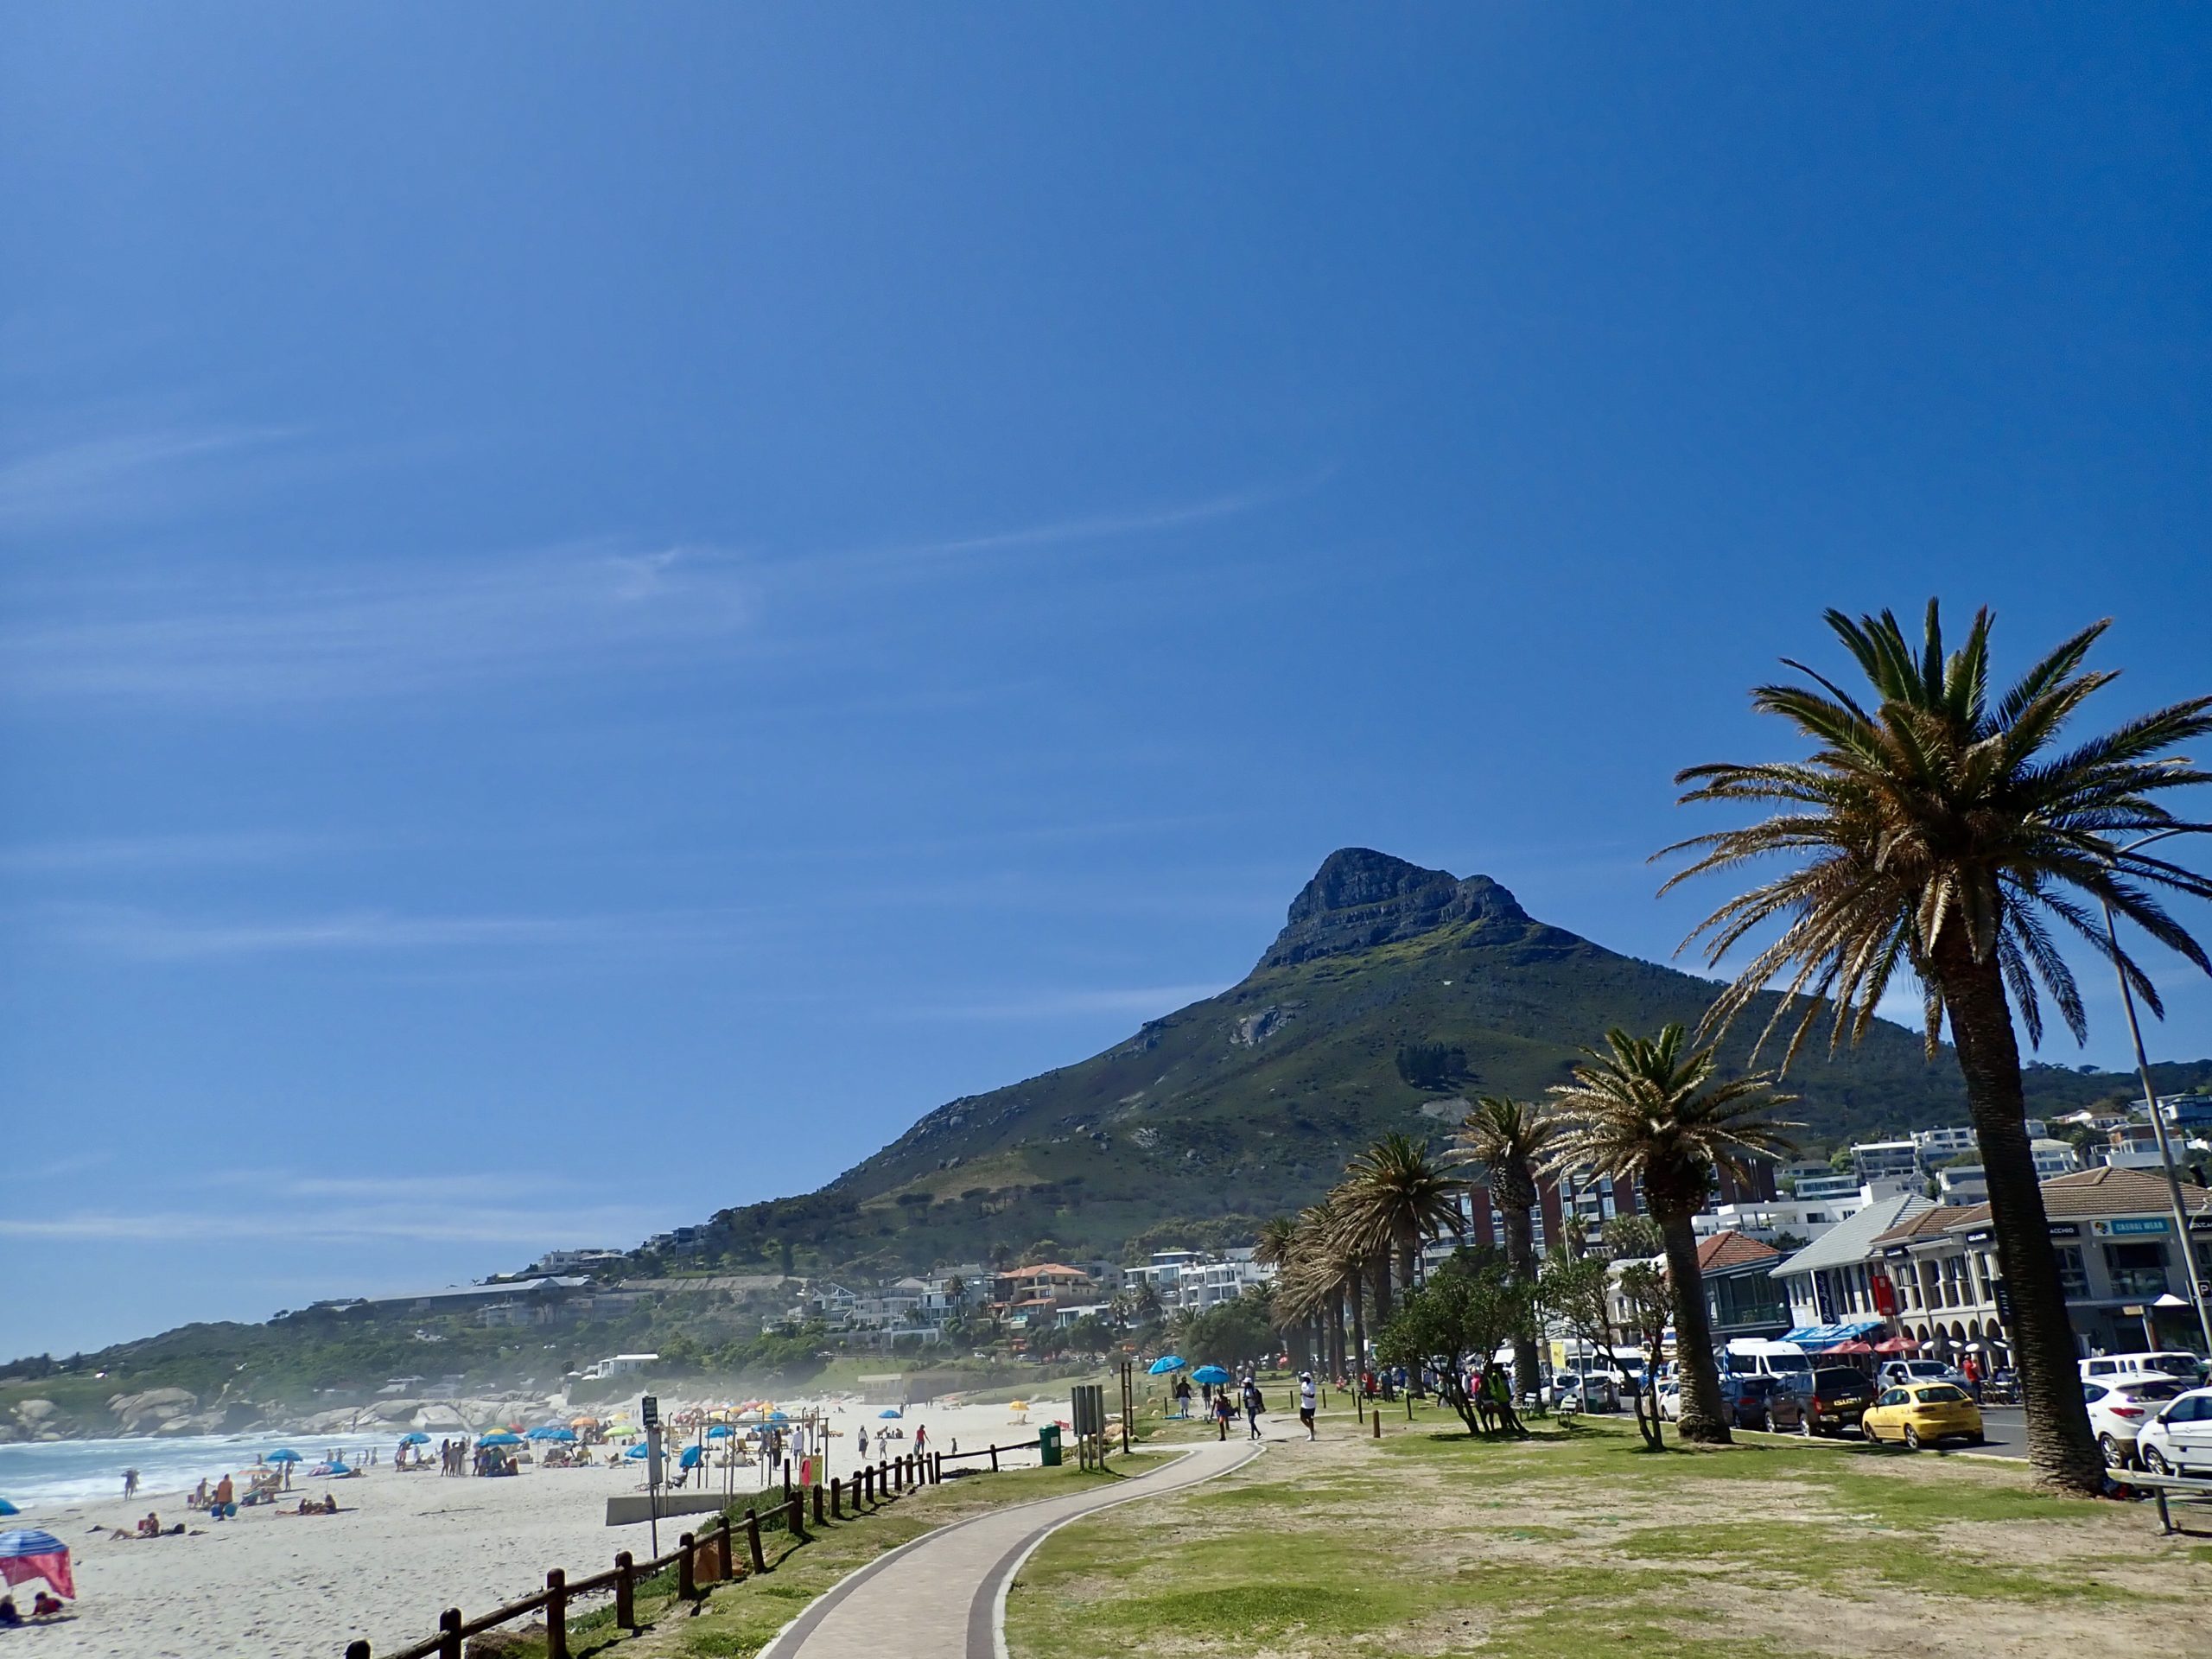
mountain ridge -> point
(1247, 1102)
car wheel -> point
(1912, 1438)
(2114, 1457)
(1805, 1427)
(2155, 1464)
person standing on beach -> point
(130, 1483)
(1306, 1403)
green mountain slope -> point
(1250, 1103)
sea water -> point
(53, 1473)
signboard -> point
(2131, 1227)
(649, 1409)
(2066, 1229)
(2003, 1295)
(1885, 1294)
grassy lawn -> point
(1579, 1543)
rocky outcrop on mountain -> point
(153, 1409)
(1360, 898)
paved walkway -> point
(942, 1597)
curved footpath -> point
(943, 1595)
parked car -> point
(1670, 1399)
(1899, 1372)
(1762, 1401)
(2179, 1440)
(1839, 1398)
(1923, 1413)
(2118, 1411)
(2171, 1362)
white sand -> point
(407, 1547)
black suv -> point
(1761, 1402)
(1839, 1398)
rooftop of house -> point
(1733, 1249)
(2107, 1189)
(1849, 1240)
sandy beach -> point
(406, 1546)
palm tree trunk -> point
(1703, 1421)
(2060, 1443)
(1380, 1272)
(1521, 1261)
(1337, 1332)
(1354, 1286)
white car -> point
(2179, 1440)
(1900, 1372)
(2116, 1367)
(2120, 1408)
(1670, 1399)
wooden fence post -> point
(994, 1459)
(626, 1592)
(687, 1572)
(868, 1487)
(752, 1542)
(357, 1651)
(795, 1516)
(837, 1499)
(449, 1634)
(787, 1477)
(556, 1614)
(729, 1549)
(817, 1503)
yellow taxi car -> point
(1923, 1413)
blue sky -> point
(603, 605)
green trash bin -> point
(1048, 1445)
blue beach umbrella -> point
(340, 1468)
(31, 1554)
(690, 1458)
(637, 1452)
(417, 1438)
(893, 1412)
(6, 1507)
(500, 1439)
(285, 1454)
(719, 1432)
(1164, 1364)
(778, 1417)
(1210, 1374)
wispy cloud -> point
(381, 631)
(116, 476)
(1139, 1001)
(269, 635)
(113, 853)
(152, 936)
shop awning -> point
(1827, 1336)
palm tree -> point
(1938, 834)
(1395, 1194)
(1508, 1138)
(1647, 1112)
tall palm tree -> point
(1508, 1139)
(1393, 1195)
(1937, 833)
(1647, 1112)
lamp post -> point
(2150, 1101)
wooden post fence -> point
(752, 1542)
(556, 1614)
(817, 1503)
(625, 1592)
(449, 1634)
(687, 1572)
(837, 1499)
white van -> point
(1755, 1356)
(2116, 1367)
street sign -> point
(649, 1408)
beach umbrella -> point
(583, 1422)
(1164, 1364)
(1210, 1374)
(30, 1554)
(6, 1507)
(719, 1432)
(338, 1468)
(639, 1452)
(893, 1412)
(418, 1438)
(1897, 1345)
(285, 1454)
(548, 1431)
(784, 1417)
(690, 1458)
(500, 1439)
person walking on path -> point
(1253, 1405)
(1222, 1411)
(1306, 1403)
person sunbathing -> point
(46, 1606)
(10, 1614)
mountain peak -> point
(1360, 897)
